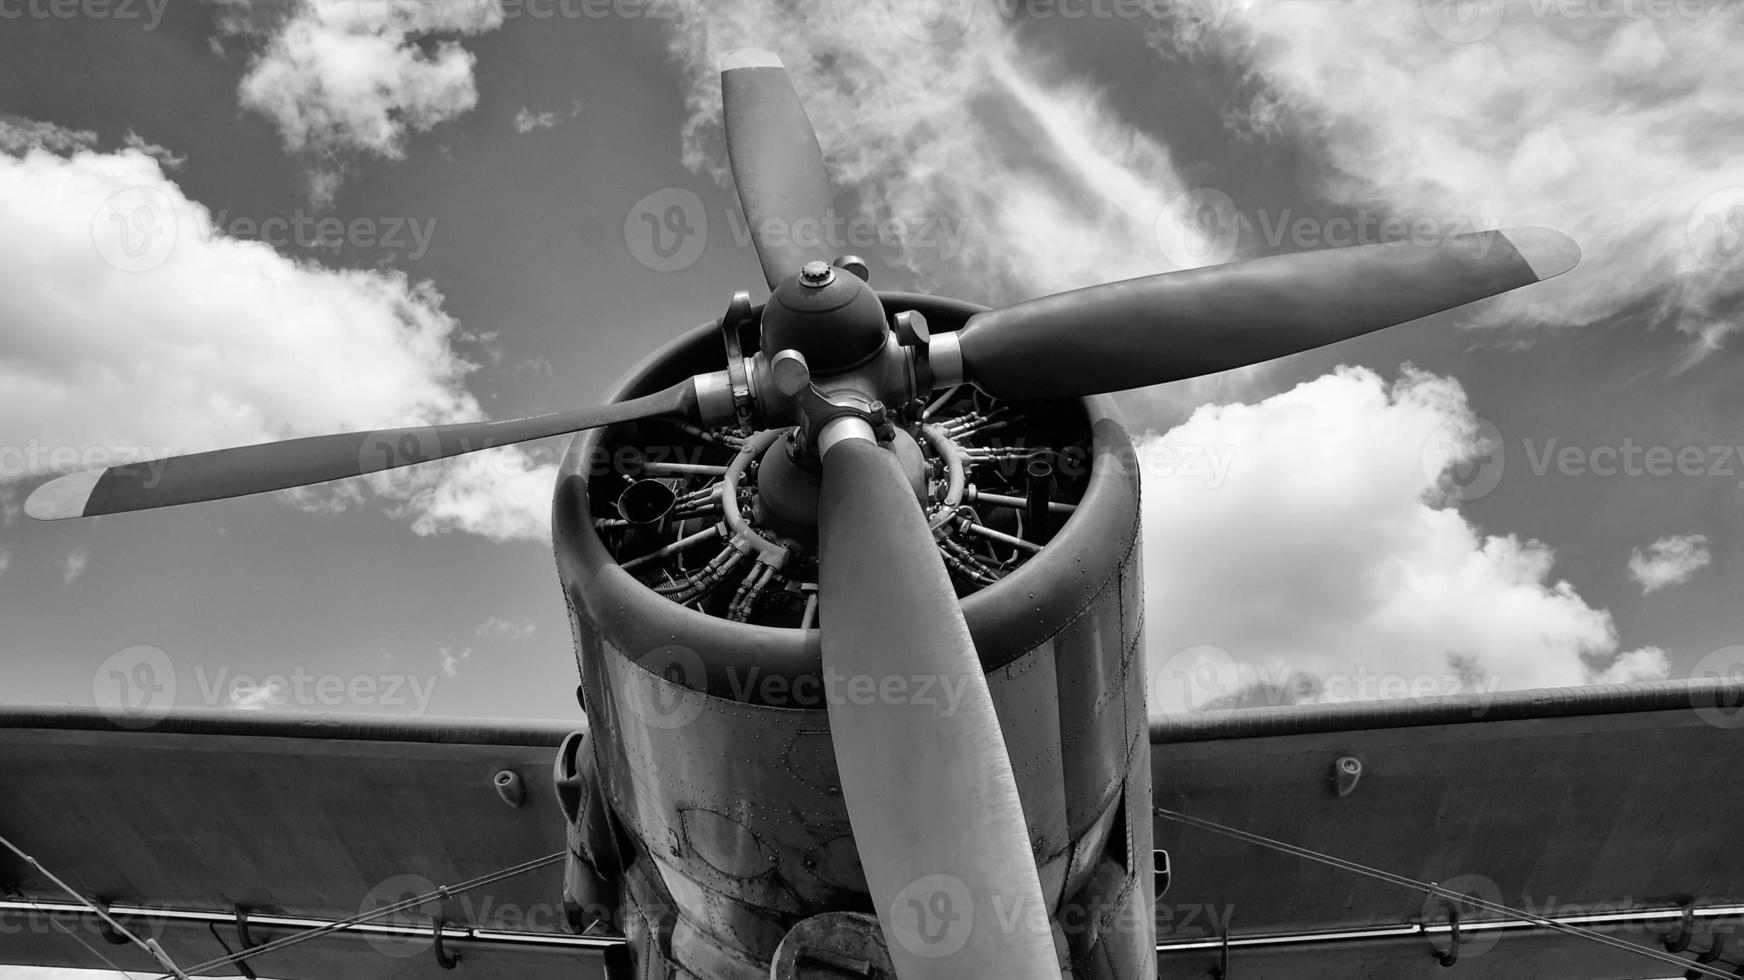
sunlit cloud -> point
(1669, 561)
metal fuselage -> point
(704, 800)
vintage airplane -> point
(858, 620)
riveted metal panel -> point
(1029, 715)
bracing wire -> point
(148, 945)
(1434, 890)
(361, 918)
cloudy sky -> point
(225, 222)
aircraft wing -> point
(1606, 809)
(295, 821)
(1610, 809)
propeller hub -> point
(789, 481)
(836, 321)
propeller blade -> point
(929, 790)
(269, 466)
(1200, 321)
(776, 162)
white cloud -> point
(344, 76)
(1669, 561)
(1645, 664)
(1322, 564)
(503, 494)
(514, 629)
(1609, 123)
(452, 660)
(527, 120)
(1057, 190)
(169, 160)
(73, 563)
(258, 697)
(5, 560)
(18, 134)
(135, 329)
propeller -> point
(776, 163)
(1179, 325)
(930, 791)
(269, 466)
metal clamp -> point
(243, 939)
(1451, 955)
(1221, 970)
(1713, 952)
(443, 958)
(1679, 941)
(739, 312)
(106, 928)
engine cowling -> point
(705, 696)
